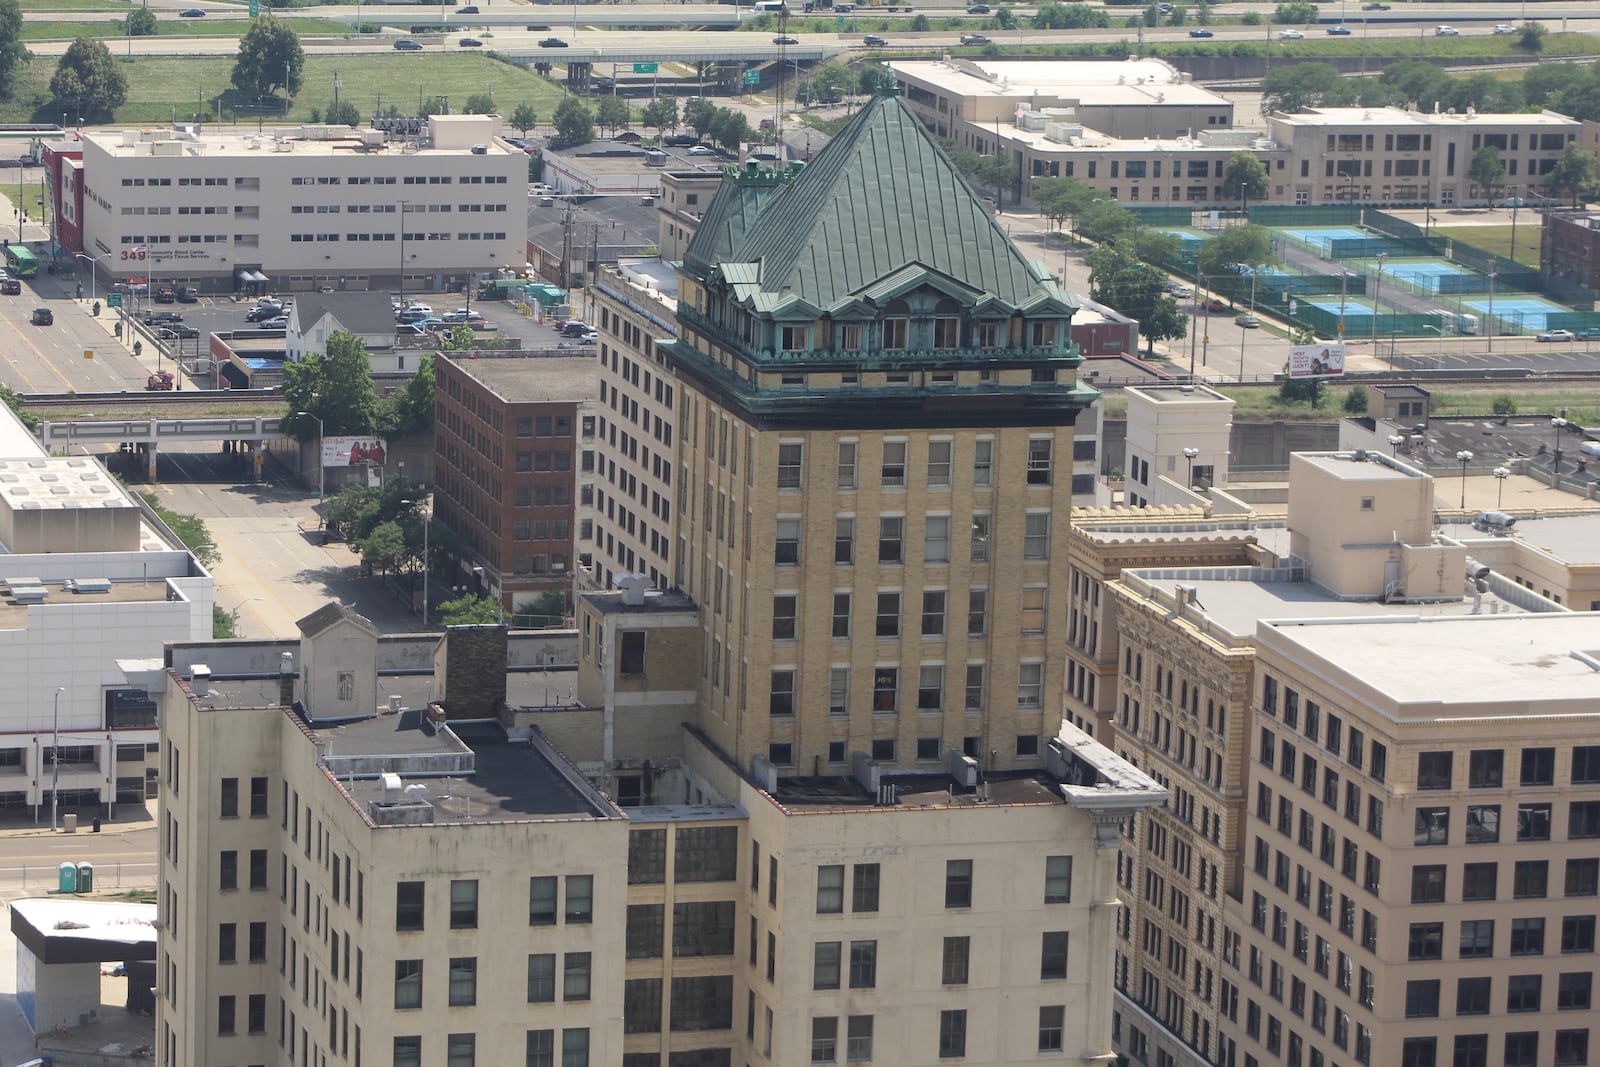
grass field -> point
(1497, 239)
(1582, 404)
(71, 5)
(160, 86)
(60, 31)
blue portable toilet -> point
(67, 878)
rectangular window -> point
(825, 1039)
(981, 521)
(464, 904)
(933, 608)
(952, 1034)
(891, 538)
(858, 1039)
(463, 981)
(930, 692)
(784, 608)
(830, 890)
(1433, 770)
(864, 888)
(983, 464)
(542, 900)
(1036, 535)
(786, 541)
(575, 975)
(408, 906)
(825, 965)
(790, 463)
(1058, 880)
(541, 978)
(957, 960)
(894, 465)
(230, 799)
(1485, 768)
(407, 983)
(1030, 685)
(888, 615)
(863, 964)
(845, 476)
(1052, 1023)
(939, 453)
(1040, 452)
(1053, 955)
(580, 898)
(977, 612)
(936, 541)
(1538, 766)
(958, 884)
(844, 539)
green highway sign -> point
(114, 300)
(841, 23)
(255, 8)
(644, 68)
(752, 77)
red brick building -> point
(508, 442)
(1569, 247)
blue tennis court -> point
(1352, 307)
(1323, 236)
(1188, 237)
(1426, 274)
(1528, 312)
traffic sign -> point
(644, 68)
(752, 77)
(114, 300)
(841, 23)
(255, 8)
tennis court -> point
(1429, 275)
(1527, 312)
(1322, 237)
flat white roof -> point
(1134, 81)
(1344, 466)
(1572, 539)
(1540, 659)
(1394, 116)
(59, 483)
(240, 141)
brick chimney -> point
(470, 670)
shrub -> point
(1504, 405)
(1355, 401)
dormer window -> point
(988, 335)
(850, 337)
(794, 338)
(1044, 334)
(946, 332)
(894, 334)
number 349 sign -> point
(135, 254)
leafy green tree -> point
(998, 171)
(1547, 80)
(1576, 174)
(1298, 86)
(1294, 14)
(730, 129)
(1530, 37)
(13, 53)
(469, 610)
(384, 549)
(460, 338)
(1486, 170)
(920, 24)
(479, 104)
(1119, 280)
(1202, 12)
(698, 115)
(344, 113)
(1055, 16)
(832, 81)
(88, 77)
(1245, 176)
(194, 534)
(1505, 404)
(222, 628)
(1413, 79)
(1165, 322)
(1003, 19)
(10, 398)
(662, 113)
(1356, 400)
(612, 112)
(270, 58)
(1152, 16)
(1103, 220)
(410, 410)
(335, 387)
(524, 118)
(573, 121)
(141, 22)
(1250, 18)
(1178, 15)
(1222, 257)
(547, 610)
(875, 78)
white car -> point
(702, 150)
(1179, 289)
(424, 308)
(1504, 28)
(1291, 35)
(1446, 31)
(1556, 335)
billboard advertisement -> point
(352, 451)
(1322, 360)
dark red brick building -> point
(1569, 247)
(507, 450)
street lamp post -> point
(1190, 454)
(55, 758)
(1377, 292)
(1515, 201)
(1500, 475)
(1557, 425)
(1395, 441)
(427, 563)
(1463, 457)
(321, 470)
(92, 261)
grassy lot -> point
(71, 5)
(158, 84)
(11, 192)
(57, 31)
(1497, 239)
(1582, 403)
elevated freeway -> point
(146, 436)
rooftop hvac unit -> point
(963, 770)
(396, 702)
(88, 585)
(393, 788)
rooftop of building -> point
(361, 312)
(1179, 394)
(469, 131)
(58, 483)
(1140, 82)
(523, 378)
(14, 611)
(1359, 466)
(1572, 539)
(546, 687)
(1536, 660)
(654, 275)
(1049, 139)
(926, 790)
(1394, 116)
(615, 602)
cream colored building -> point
(305, 206)
(1178, 438)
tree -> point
(524, 118)
(920, 24)
(344, 113)
(141, 22)
(662, 113)
(384, 549)
(730, 128)
(479, 104)
(411, 410)
(1165, 322)
(1054, 16)
(1356, 400)
(12, 400)
(1003, 19)
(1486, 171)
(1221, 258)
(698, 115)
(192, 532)
(88, 77)
(1245, 176)
(222, 628)
(1298, 86)
(999, 171)
(336, 387)
(1530, 38)
(1294, 14)
(1505, 404)
(612, 112)
(469, 610)
(1118, 280)
(573, 121)
(547, 611)
(1576, 174)
(832, 81)
(876, 78)
(13, 53)
(270, 58)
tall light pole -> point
(92, 261)
(1190, 454)
(1463, 457)
(427, 563)
(1557, 425)
(1500, 475)
(321, 469)
(1377, 292)
(1515, 201)
(55, 758)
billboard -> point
(1323, 360)
(352, 451)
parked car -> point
(1555, 335)
(1590, 333)
(166, 294)
(974, 38)
(1504, 28)
(261, 314)
(872, 40)
(1339, 31)
(469, 9)
(1446, 31)
(43, 317)
(677, 140)
(1201, 31)
(279, 323)
(404, 45)
(192, 13)
(702, 150)
(576, 328)
(10, 287)
(161, 318)
(1249, 322)
(412, 315)
(188, 295)
(552, 42)
(1291, 35)
(417, 305)
(1179, 289)
(590, 338)
(1215, 305)
(469, 42)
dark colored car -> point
(44, 317)
(978, 9)
(469, 42)
(974, 38)
(192, 13)
(10, 287)
(1201, 31)
(470, 9)
(158, 318)
(1339, 31)
(261, 314)
(785, 39)
(552, 42)
(680, 140)
(166, 295)
(872, 40)
(407, 46)
(188, 296)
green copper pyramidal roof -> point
(882, 201)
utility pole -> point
(1376, 293)
(1488, 326)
